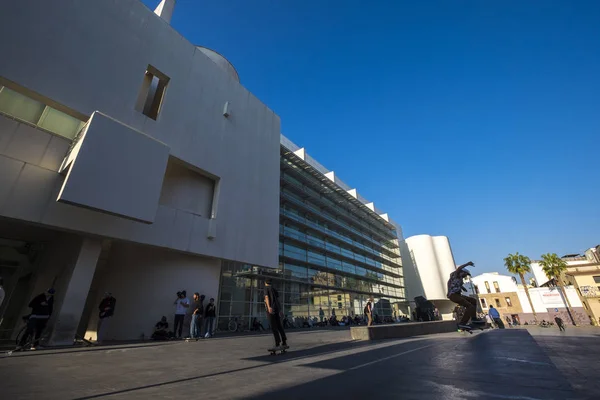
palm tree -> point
(554, 266)
(520, 265)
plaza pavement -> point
(527, 364)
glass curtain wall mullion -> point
(344, 253)
(332, 265)
(384, 233)
(315, 224)
(310, 239)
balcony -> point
(590, 291)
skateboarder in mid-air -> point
(274, 314)
(455, 289)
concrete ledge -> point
(401, 330)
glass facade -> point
(334, 256)
(26, 109)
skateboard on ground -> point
(281, 350)
(475, 326)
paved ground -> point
(501, 364)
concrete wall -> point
(145, 281)
(549, 302)
(393, 331)
(428, 263)
(93, 56)
(548, 298)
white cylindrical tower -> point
(428, 263)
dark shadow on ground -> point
(267, 360)
(495, 364)
(313, 351)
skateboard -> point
(281, 350)
(476, 326)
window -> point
(476, 289)
(20, 106)
(496, 287)
(483, 304)
(26, 109)
(508, 302)
(498, 303)
(487, 287)
(152, 93)
(597, 279)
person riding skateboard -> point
(274, 312)
(455, 289)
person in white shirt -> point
(488, 319)
(181, 306)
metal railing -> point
(390, 248)
(589, 291)
(328, 247)
(393, 262)
(288, 144)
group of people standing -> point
(200, 315)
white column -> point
(69, 314)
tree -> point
(520, 265)
(554, 266)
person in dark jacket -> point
(41, 310)
(274, 311)
(559, 323)
(107, 310)
(210, 315)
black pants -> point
(499, 322)
(561, 327)
(178, 323)
(470, 305)
(35, 327)
(277, 328)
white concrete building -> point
(132, 161)
(572, 261)
(427, 265)
(510, 298)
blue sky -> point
(476, 120)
